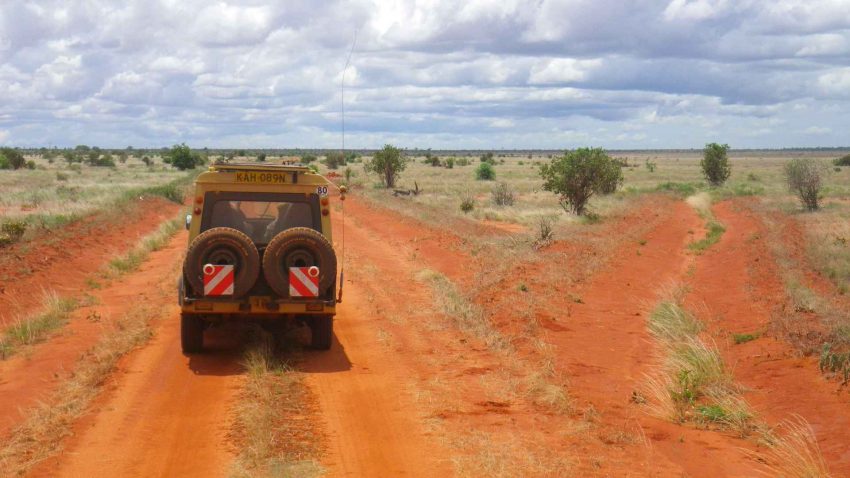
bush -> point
(349, 173)
(450, 163)
(61, 176)
(13, 157)
(334, 160)
(463, 162)
(181, 157)
(307, 158)
(487, 158)
(804, 178)
(387, 163)
(843, 161)
(261, 157)
(485, 172)
(467, 204)
(545, 232)
(148, 161)
(715, 163)
(4, 162)
(12, 231)
(76, 168)
(503, 195)
(578, 175)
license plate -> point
(259, 302)
(260, 177)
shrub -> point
(804, 178)
(12, 231)
(843, 161)
(450, 163)
(14, 157)
(650, 165)
(715, 163)
(261, 157)
(334, 160)
(545, 232)
(462, 162)
(485, 172)
(70, 157)
(503, 195)
(4, 162)
(487, 158)
(349, 173)
(387, 163)
(578, 175)
(76, 168)
(308, 158)
(467, 204)
(148, 161)
(181, 157)
(61, 176)
(432, 160)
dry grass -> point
(40, 436)
(693, 383)
(794, 451)
(274, 439)
(140, 253)
(34, 329)
(54, 194)
(465, 315)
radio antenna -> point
(342, 195)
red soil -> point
(62, 259)
(737, 288)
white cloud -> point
(817, 130)
(481, 73)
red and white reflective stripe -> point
(218, 280)
(304, 281)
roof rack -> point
(257, 167)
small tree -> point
(485, 172)
(180, 156)
(261, 157)
(14, 157)
(308, 158)
(578, 175)
(487, 158)
(334, 160)
(715, 163)
(843, 161)
(804, 176)
(387, 163)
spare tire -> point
(299, 247)
(223, 246)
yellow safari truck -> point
(260, 248)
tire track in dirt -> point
(604, 346)
(736, 287)
(31, 376)
(164, 414)
(371, 422)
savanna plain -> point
(674, 328)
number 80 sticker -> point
(322, 190)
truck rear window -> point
(260, 220)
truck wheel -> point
(223, 246)
(321, 332)
(191, 333)
(299, 247)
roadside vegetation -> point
(40, 436)
(53, 194)
(274, 440)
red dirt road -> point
(737, 288)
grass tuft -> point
(31, 330)
(150, 243)
(795, 453)
(273, 443)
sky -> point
(475, 74)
